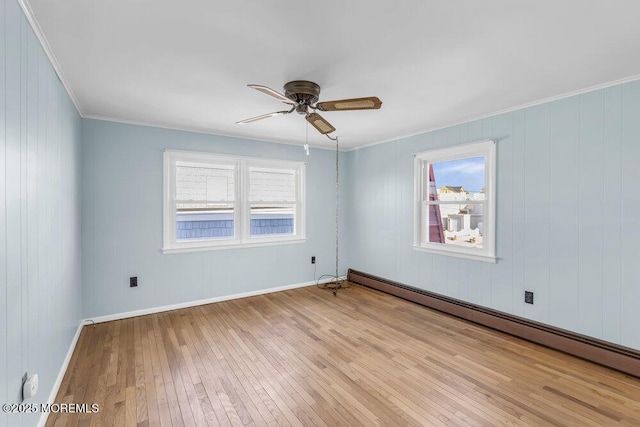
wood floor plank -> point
(176, 365)
(112, 371)
(96, 389)
(305, 357)
(142, 414)
(164, 415)
(172, 400)
(145, 370)
(130, 406)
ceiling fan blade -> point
(273, 93)
(369, 103)
(264, 116)
(318, 122)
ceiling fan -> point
(303, 95)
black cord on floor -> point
(335, 284)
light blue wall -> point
(568, 203)
(122, 223)
(40, 263)
(567, 216)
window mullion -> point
(173, 237)
(242, 201)
(174, 216)
(299, 220)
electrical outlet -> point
(528, 297)
(29, 386)
(133, 282)
(313, 260)
(24, 380)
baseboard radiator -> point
(621, 358)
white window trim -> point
(242, 230)
(485, 148)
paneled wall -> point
(567, 217)
(122, 223)
(40, 264)
(568, 203)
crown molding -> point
(35, 26)
(507, 110)
(208, 132)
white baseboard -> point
(63, 370)
(153, 310)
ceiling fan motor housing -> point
(303, 92)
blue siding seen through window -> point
(272, 226)
(191, 226)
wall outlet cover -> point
(30, 387)
(528, 297)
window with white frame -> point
(455, 201)
(216, 201)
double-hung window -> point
(455, 201)
(216, 201)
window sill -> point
(218, 247)
(456, 254)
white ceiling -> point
(184, 64)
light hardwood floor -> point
(305, 357)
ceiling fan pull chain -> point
(306, 141)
